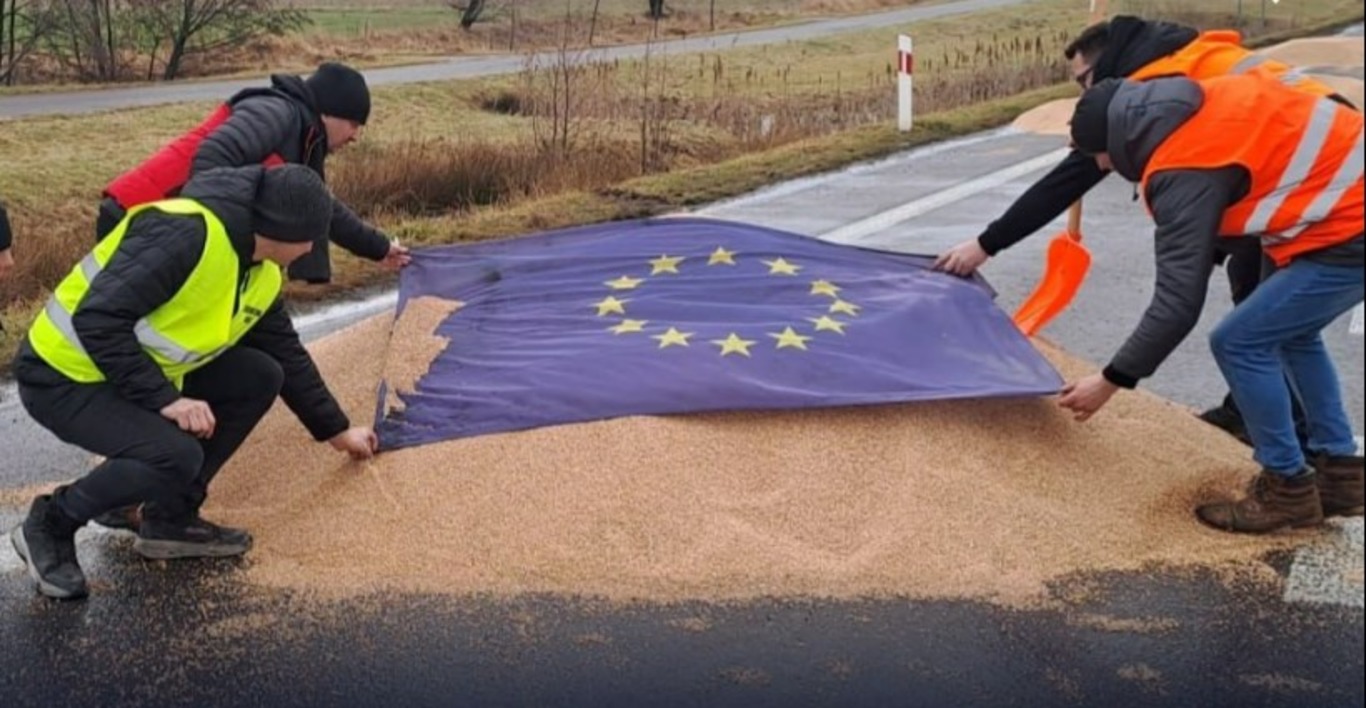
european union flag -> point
(677, 315)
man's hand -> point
(1086, 396)
(6, 261)
(193, 416)
(963, 259)
(359, 443)
(397, 257)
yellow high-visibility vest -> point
(203, 319)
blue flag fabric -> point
(677, 315)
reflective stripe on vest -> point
(204, 318)
(1306, 154)
(1303, 155)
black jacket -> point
(1188, 207)
(281, 120)
(153, 261)
(1134, 43)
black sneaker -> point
(125, 518)
(197, 538)
(46, 541)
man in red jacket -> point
(296, 121)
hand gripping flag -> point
(678, 315)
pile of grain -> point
(985, 499)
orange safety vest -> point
(1304, 155)
(1221, 53)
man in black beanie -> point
(161, 351)
(294, 121)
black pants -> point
(149, 459)
(314, 267)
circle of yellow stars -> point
(615, 305)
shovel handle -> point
(1074, 221)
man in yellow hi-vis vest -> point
(161, 351)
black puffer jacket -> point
(281, 120)
(153, 261)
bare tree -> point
(85, 38)
(469, 12)
(191, 27)
(593, 23)
(23, 23)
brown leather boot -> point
(1340, 485)
(1274, 502)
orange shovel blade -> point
(1068, 262)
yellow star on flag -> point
(780, 266)
(611, 305)
(825, 323)
(672, 337)
(627, 326)
(665, 264)
(825, 287)
(789, 338)
(625, 282)
(844, 308)
(721, 255)
(734, 345)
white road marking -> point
(9, 560)
(861, 230)
(1357, 322)
(790, 187)
(1331, 571)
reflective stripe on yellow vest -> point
(1303, 154)
(204, 318)
(1221, 53)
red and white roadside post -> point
(905, 67)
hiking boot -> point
(1340, 485)
(1228, 420)
(125, 518)
(1273, 502)
(196, 538)
(46, 542)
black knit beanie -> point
(1091, 121)
(292, 205)
(340, 91)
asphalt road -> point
(466, 67)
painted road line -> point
(1357, 324)
(795, 186)
(861, 230)
(9, 560)
(1331, 572)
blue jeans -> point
(1276, 335)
